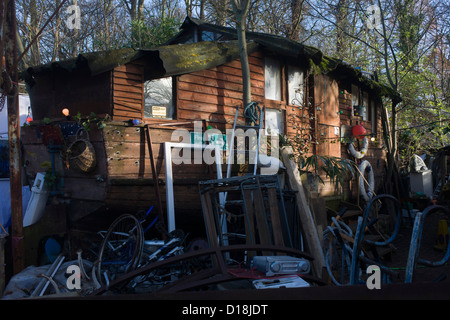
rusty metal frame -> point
(216, 274)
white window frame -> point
(272, 79)
(296, 91)
(171, 104)
(169, 174)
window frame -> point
(284, 103)
(174, 102)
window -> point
(365, 107)
(360, 103)
(158, 99)
(274, 121)
(272, 69)
(355, 96)
(373, 116)
(210, 36)
(295, 86)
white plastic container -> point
(38, 201)
(422, 182)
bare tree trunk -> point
(15, 171)
(188, 4)
(296, 18)
(35, 58)
(106, 9)
(220, 10)
(202, 9)
(74, 38)
(240, 9)
(342, 23)
(57, 44)
(133, 10)
(140, 9)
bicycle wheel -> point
(121, 249)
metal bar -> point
(261, 125)
(231, 145)
(154, 174)
(412, 255)
(52, 269)
(416, 238)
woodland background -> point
(406, 42)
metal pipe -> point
(42, 285)
(416, 238)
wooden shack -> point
(118, 93)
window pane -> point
(295, 86)
(274, 121)
(272, 71)
(158, 99)
(373, 115)
(355, 95)
(365, 106)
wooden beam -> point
(309, 229)
(14, 139)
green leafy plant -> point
(337, 169)
(87, 122)
(147, 33)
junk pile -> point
(261, 234)
(253, 234)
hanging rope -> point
(252, 113)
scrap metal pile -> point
(260, 233)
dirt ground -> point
(397, 260)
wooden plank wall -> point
(128, 92)
(212, 95)
(130, 174)
(78, 91)
(86, 189)
(376, 155)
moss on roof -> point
(318, 63)
(162, 61)
(174, 58)
(185, 58)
